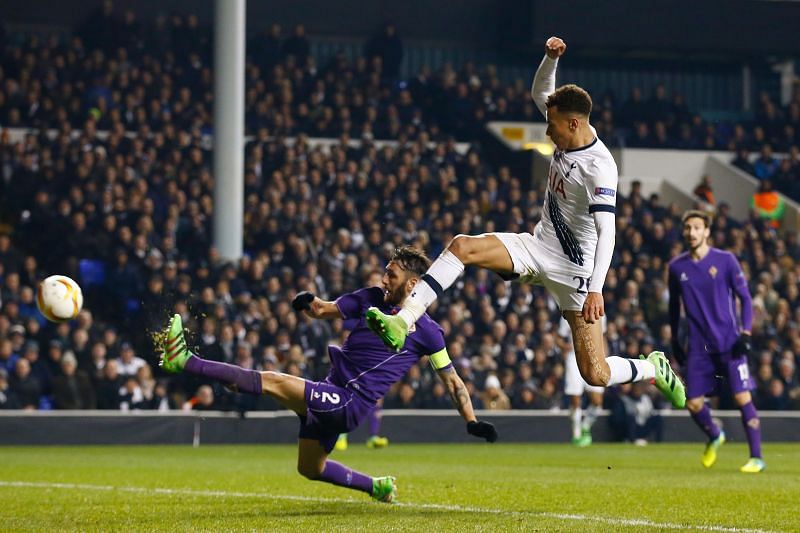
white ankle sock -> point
(575, 417)
(591, 416)
(444, 272)
(622, 370)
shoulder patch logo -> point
(604, 191)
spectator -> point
(204, 400)
(768, 204)
(108, 388)
(128, 362)
(766, 166)
(742, 161)
(8, 398)
(705, 194)
(131, 396)
(386, 45)
(493, 396)
(25, 386)
(72, 389)
(297, 45)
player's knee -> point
(461, 247)
(270, 380)
(695, 405)
(743, 398)
(309, 471)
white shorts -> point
(574, 384)
(567, 283)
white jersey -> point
(580, 182)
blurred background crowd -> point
(112, 186)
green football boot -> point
(390, 328)
(384, 489)
(666, 380)
(377, 442)
(753, 466)
(710, 454)
(173, 348)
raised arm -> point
(316, 307)
(460, 397)
(544, 81)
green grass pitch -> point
(480, 487)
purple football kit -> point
(362, 370)
(707, 289)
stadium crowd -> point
(148, 76)
(128, 215)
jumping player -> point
(362, 370)
(569, 252)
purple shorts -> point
(705, 371)
(331, 410)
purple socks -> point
(703, 419)
(752, 427)
(374, 418)
(339, 474)
(244, 379)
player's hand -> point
(554, 47)
(593, 308)
(302, 302)
(743, 345)
(481, 429)
(678, 352)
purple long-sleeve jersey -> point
(707, 289)
(364, 363)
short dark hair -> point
(411, 259)
(571, 99)
(696, 213)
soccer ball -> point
(59, 298)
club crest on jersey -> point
(713, 271)
(684, 277)
(604, 191)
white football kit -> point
(581, 186)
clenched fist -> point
(555, 47)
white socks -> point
(624, 370)
(591, 416)
(439, 277)
(575, 417)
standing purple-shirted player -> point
(362, 371)
(706, 279)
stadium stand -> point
(112, 185)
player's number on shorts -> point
(582, 283)
(744, 372)
(330, 397)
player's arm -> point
(675, 314)
(315, 307)
(459, 395)
(605, 224)
(738, 282)
(544, 81)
